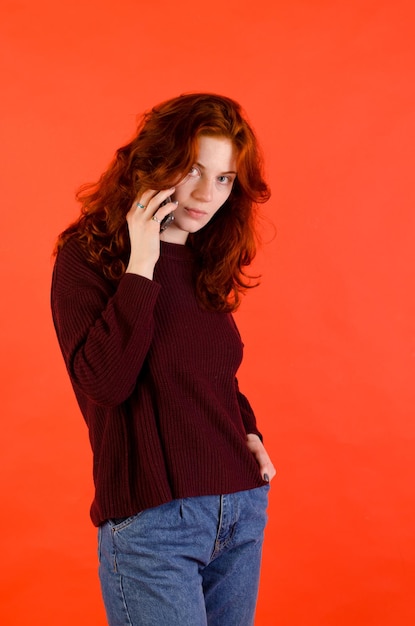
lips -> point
(195, 213)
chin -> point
(191, 228)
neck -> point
(172, 234)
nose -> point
(203, 190)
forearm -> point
(104, 335)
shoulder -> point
(73, 268)
(73, 250)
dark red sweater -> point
(154, 376)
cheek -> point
(220, 201)
(224, 195)
(182, 191)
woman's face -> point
(205, 188)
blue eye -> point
(194, 171)
(225, 180)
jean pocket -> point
(118, 524)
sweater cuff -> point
(138, 294)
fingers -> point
(148, 208)
(268, 472)
(265, 464)
(164, 211)
(150, 200)
(266, 468)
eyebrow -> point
(221, 174)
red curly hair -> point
(165, 147)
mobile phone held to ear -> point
(166, 221)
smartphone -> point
(166, 221)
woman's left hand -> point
(257, 448)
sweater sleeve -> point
(104, 330)
(248, 416)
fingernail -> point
(266, 478)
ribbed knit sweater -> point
(154, 376)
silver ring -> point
(156, 219)
(140, 205)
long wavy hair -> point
(162, 151)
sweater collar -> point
(175, 251)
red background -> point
(330, 341)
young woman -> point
(144, 286)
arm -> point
(104, 332)
(254, 438)
(248, 416)
(265, 464)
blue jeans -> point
(190, 562)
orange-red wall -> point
(330, 341)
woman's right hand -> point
(144, 231)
